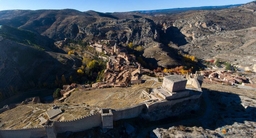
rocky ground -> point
(28, 115)
(226, 111)
(227, 34)
(115, 98)
(226, 114)
(81, 103)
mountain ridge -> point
(184, 9)
(206, 34)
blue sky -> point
(111, 5)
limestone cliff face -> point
(138, 31)
(72, 24)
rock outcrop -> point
(223, 77)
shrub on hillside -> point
(56, 93)
(229, 66)
(218, 63)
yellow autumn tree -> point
(71, 52)
(130, 45)
(80, 71)
(86, 60)
(165, 70)
(139, 48)
(92, 64)
(183, 71)
(189, 57)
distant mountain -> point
(28, 56)
(178, 10)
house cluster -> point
(121, 70)
(224, 77)
(104, 46)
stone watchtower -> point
(107, 118)
(174, 83)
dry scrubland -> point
(27, 116)
(115, 98)
(80, 103)
(230, 89)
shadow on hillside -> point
(221, 109)
(32, 69)
(224, 108)
(218, 109)
(173, 34)
(151, 63)
(173, 53)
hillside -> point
(179, 10)
(225, 34)
(204, 32)
(29, 56)
(28, 60)
(27, 38)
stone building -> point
(107, 118)
(174, 83)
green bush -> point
(56, 93)
(228, 66)
(218, 63)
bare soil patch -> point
(114, 98)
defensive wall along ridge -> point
(155, 109)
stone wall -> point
(23, 133)
(107, 118)
(130, 112)
(151, 111)
(78, 124)
(155, 111)
(195, 83)
(164, 109)
(50, 131)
